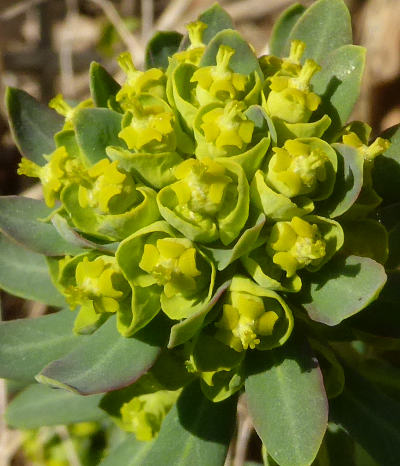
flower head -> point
(296, 244)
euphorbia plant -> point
(213, 224)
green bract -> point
(213, 221)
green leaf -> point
(325, 26)
(102, 85)
(287, 402)
(349, 181)
(196, 432)
(24, 273)
(106, 360)
(27, 345)
(367, 238)
(247, 241)
(32, 125)
(338, 84)
(370, 417)
(345, 286)
(187, 328)
(160, 47)
(217, 19)
(386, 171)
(243, 61)
(97, 128)
(38, 406)
(278, 43)
(130, 452)
(20, 218)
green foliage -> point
(38, 406)
(292, 376)
(215, 224)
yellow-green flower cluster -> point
(209, 189)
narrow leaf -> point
(38, 406)
(102, 85)
(339, 84)
(160, 47)
(325, 26)
(27, 345)
(345, 286)
(20, 218)
(349, 181)
(278, 43)
(370, 417)
(106, 360)
(196, 432)
(97, 128)
(25, 274)
(287, 402)
(130, 452)
(32, 125)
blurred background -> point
(46, 47)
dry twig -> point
(172, 14)
(19, 9)
(127, 38)
(254, 9)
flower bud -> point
(290, 98)
(144, 414)
(64, 108)
(196, 48)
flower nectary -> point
(209, 201)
